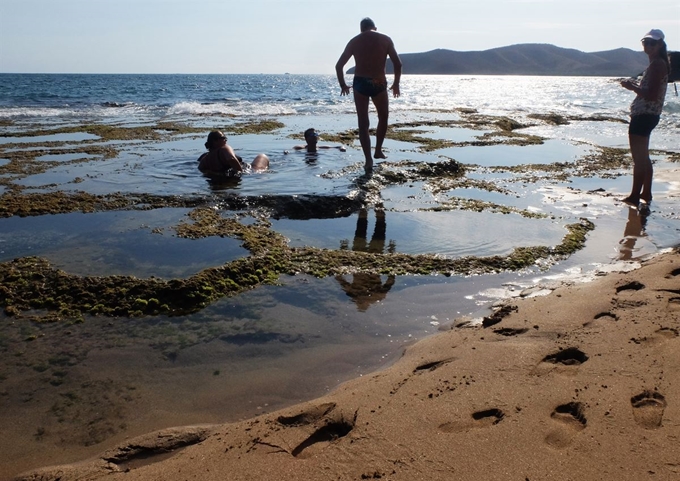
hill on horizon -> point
(524, 59)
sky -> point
(299, 36)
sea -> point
(70, 389)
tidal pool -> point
(450, 234)
(550, 151)
(115, 243)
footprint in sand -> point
(570, 421)
(510, 331)
(422, 368)
(674, 304)
(660, 336)
(630, 286)
(602, 315)
(431, 366)
(606, 315)
(565, 361)
(648, 408)
(673, 273)
(480, 419)
(571, 356)
(307, 417)
(328, 433)
(154, 448)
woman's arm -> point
(657, 76)
(657, 72)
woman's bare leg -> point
(642, 170)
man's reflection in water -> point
(311, 158)
(367, 288)
(635, 229)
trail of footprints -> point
(568, 419)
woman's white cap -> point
(654, 34)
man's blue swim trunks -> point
(368, 86)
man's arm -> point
(396, 63)
(228, 158)
(339, 68)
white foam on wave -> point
(28, 112)
(98, 111)
(238, 109)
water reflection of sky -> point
(511, 155)
(455, 233)
(453, 134)
(115, 243)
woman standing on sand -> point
(645, 112)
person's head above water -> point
(367, 24)
(312, 143)
(215, 139)
(311, 136)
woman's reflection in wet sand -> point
(368, 288)
(635, 229)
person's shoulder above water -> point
(222, 161)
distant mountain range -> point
(525, 59)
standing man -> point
(370, 50)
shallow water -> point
(115, 243)
(69, 390)
(449, 234)
(514, 155)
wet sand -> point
(578, 384)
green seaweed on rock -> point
(31, 283)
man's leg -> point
(361, 103)
(382, 105)
(377, 243)
(359, 243)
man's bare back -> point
(370, 50)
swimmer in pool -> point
(312, 139)
(221, 161)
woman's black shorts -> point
(643, 124)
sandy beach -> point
(575, 385)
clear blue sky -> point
(299, 36)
